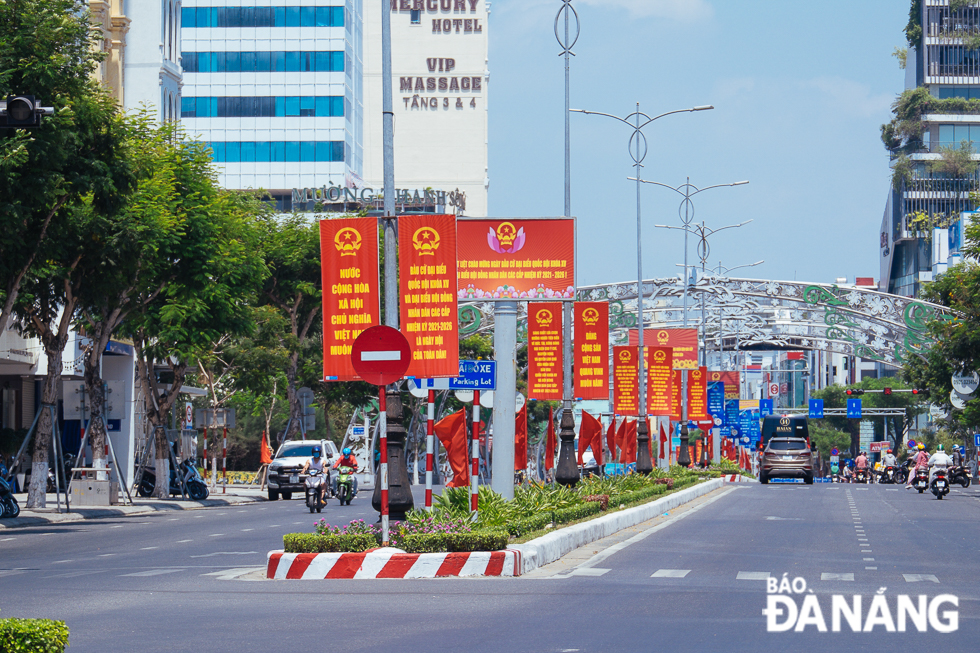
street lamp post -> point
(686, 211)
(638, 152)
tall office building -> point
(151, 60)
(921, 230)
(440, 84)
(275, 87)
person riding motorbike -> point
(316, 463)
(888, 460)
(861, 464)
(346, 460)
(939, 461)
(957, 456)
(921, 460)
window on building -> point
(416, 17)
(262, 62)
(951, 135)
(259, 107)
(262, 16)
(277, 151)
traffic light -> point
(917, 391)
(887, 391)
(854, 392)
(19, 111)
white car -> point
(284, 472)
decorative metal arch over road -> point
(763, 314)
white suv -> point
(284, 472)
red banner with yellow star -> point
(349, 269)
(427, 293)
(591, 350)
(660, 380)
(626, 397)
(544, 354)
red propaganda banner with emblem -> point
(660, 380)
(427, 288)
(544, 355)
(529, 259)
(349, 269)
(626, 398)
(683, 342)
(591, 350)
(729, 378)
(697, 395)
(677, 388)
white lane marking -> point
(117, 526)
(784, 518)
(12, 572)
(215, 534)
(245, 530)
(671, 573)
(866, 551)
(182, 541)
(872, 568)
(149, 548)
(153, 572)
(619, 546)
(277, 525)
(299, 522)
(916, 578)
(891, 490)
(76, 574)
(175, 519)
(232, 574)
(61, 562)
(860, 539)
(833, 576)
(225, 553)
(198, 516)
(106, 555)
(869, 559)
(752, 575)
(7, 539)
(588, 571)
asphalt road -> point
(696, 583)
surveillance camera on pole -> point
(20, 111)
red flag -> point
(627, 453)
(663, 441)
(520, 440)
(611, 438)
(451, 431)
(589, 435)
(549, 445)
(265, 456)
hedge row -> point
(521, 527)
(313, 543)
(639, 495)
(486, 540)
(33, 636)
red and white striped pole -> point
(383, 445)
(429, 444)
(224, 459)
(475, 471)
(205, 451)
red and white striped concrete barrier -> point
(736, 478)
(388, 563)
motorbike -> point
(960, 474)
(9, 507)
(314, 481)
(52, 481)
(887, 475)
(345, 484)
(921, 480)
(860, 476)
(940, 484)
(197, 489)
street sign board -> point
(766, 407)
(966, 384)
(878, 447)
(816, 408)
(957, 400)
(854, 408)
(473, 375)
(381, 355)
(773, 389)
(976, 439)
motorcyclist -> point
(316, 463)
(346, 460)
(921, 460)
(861, 463)
(888, 460)
(847, 471)
(957, 456)
(939, 461)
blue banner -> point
(716, 402)
(731, 412)
(748, 427)
(816, 408)
(854, 408)
(766, 407)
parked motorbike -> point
(940, 484)
(197, 489)
(960, 474)
(9, 507)
(314, 481)
(345, 484)
(921, 480)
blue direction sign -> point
(731, 412)
(716, 402)
(765, 407)
(816, 408)
(473, 375)
(854, 408)
(976, 439)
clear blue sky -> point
(800, 90)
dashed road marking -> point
(752, 575)
(183, 541)
(76, 574)
(588, 571)
(149, 548)
(835, 576)
(106, 555)
(872, 568)
(670, 573)
(245, 530)
(869, 559)
(7, 539)
(153, 572)
(215, 534)
(916, 578)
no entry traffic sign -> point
(381, 355)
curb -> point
(389, 563)
(548, 548)
(25, 521)
(738, 478)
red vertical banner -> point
(349, 269)
(697, 395)
(544, 355)
(591, 350)
(625, 369)
(676, 409)
(427, 289)
(660, 380)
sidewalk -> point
(234, 496)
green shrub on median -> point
(313, 543)
(485, 540)
(33, 636)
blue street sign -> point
(716, 402)
(765, 407)
(976, 439)
(749, 425)
(816, 408)
(834, 452)
(731, 412)
(473, 375)
(854, 408)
